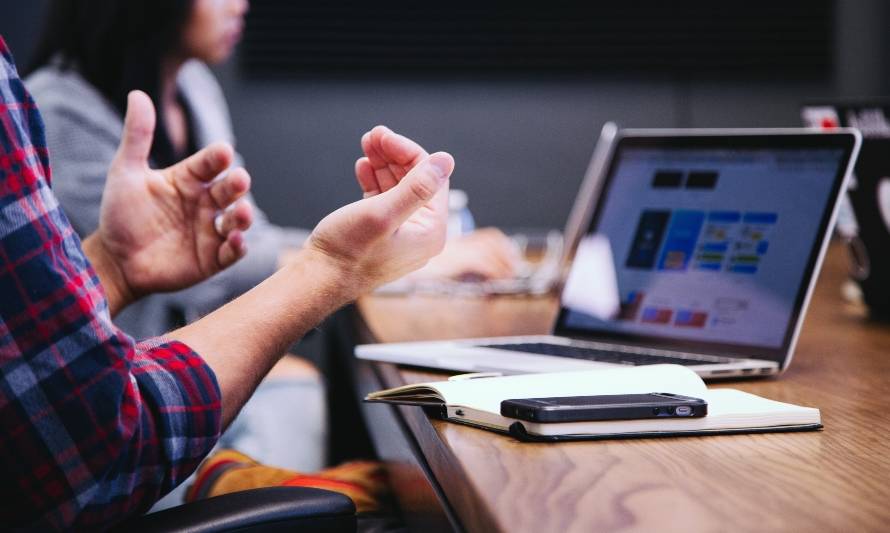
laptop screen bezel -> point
(722, 140)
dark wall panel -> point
(701, 38)
(521, 136)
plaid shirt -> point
(93, 427)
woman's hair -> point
(117, 46)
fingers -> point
(489, 265)
(501, 250)
(485, 271)
(501, 265)
(226, 190)
(486, 253)
(230, 226)
(386, 178)
(399, 148)
(232, 249)
(139, 128)
(417, 188)
(203, 166)
(238, 218)
(390, 155)
(364, 172)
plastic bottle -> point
(460, 219)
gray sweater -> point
(83, 131)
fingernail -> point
(442, 163)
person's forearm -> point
(116, 289)
(242, 340)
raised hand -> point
(401, 222)
(163, 230)
(485, 254)
(367, 243)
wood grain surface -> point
(837, 479)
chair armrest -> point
(266, 509)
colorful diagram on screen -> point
(681, 238)
(721, 311)
(753, 242)
(687, 241)
(728, 241)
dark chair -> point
(270, 509)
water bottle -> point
(460, 220)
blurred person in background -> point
(92, 52)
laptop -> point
(716, 238)
(554, 249)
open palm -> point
(160, 225)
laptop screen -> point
(713, 240)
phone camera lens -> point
(656, 411)
(670, 410)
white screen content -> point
(710, 244)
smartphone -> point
(604, 407)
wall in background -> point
(521, 144)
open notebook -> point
(477, 402)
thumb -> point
(417, 188)
(139, 128)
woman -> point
(94, 52)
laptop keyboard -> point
(606, 356)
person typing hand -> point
(484, 254)
(163, 230)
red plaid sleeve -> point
(93, 427)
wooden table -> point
(448, 476)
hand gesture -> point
(401, 222)
(486, 253)
(163, 230)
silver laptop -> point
(715, 239)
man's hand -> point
(401, 222)
(486, 253)
(394, 230)
(158, 229)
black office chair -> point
(270, 509)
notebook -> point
(476, 402)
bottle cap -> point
(457, 200)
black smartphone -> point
(604, 407)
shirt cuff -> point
(183, 394)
